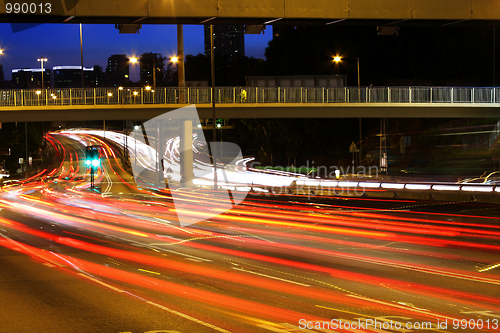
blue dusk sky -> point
(60, 44)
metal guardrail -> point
(318, 185)
(236, 95)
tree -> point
(150, 62)
(417, 56)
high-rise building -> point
(150, 62)
(31, 78)
(117, 70)
(71, 76)
(228, 40)
(99, 76)
(2, 78)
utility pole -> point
(181, 75)
(214, 130)
(81, 55)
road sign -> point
(4, 151)
(353, 148)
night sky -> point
(60, 44)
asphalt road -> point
(116, 259)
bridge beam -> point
(260, 11)
(258, 110)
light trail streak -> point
(335, 255)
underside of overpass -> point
(262, 12)
(249, 110)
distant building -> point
(297, 81)
(31, 78)
(150, 62)
(117, 70)
(71, 76)
(2, 77)
(228, 40)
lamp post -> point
(175, 60)
(81, 56)
(42, 60)
(119, 89)
(338, 59)
(133, 61)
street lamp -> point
(133, 61)
(42, 60)
(119, 88)
(178, 60)
(338, 59)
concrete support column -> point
(180, 63)
(186, 151)
(160, 149)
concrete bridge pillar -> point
(186, 152)
(180, 64)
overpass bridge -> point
(117, 103)
(256, 12)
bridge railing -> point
(235, 95)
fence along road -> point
(250, 102)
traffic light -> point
(92, 158)
(92, 161)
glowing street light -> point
(174, 59)
(338, 59)
(42, 60)
(133, 60)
